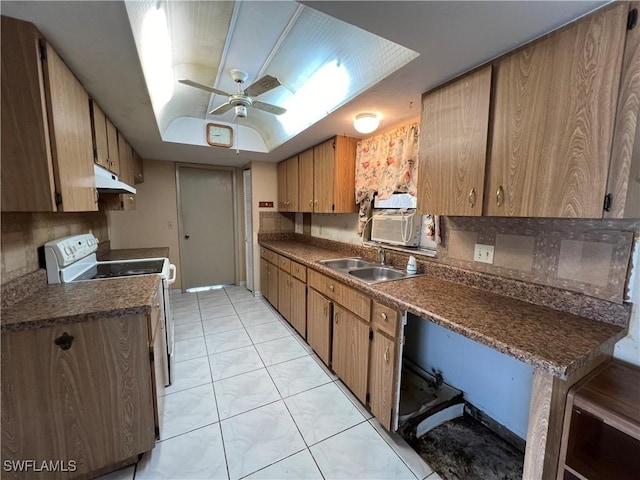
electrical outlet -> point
(483, 253)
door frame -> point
(234, 201)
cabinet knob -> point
(315, 202)
(383, 315)
(500, 196)
(472, 197)
(310, 202)
(387, 354)
(335, 317)
(332, 288)
(64, 341)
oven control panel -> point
(68, 250)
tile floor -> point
(250, 399)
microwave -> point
(396, 228)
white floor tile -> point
(212, 302)
(359, 453)
(363, 410)
(234, 289)
(242, 297)
(249, 305)
(221, 324)
(213, 293)
(186, 316)
(259, 438)
(122, 474)
(189, 349)
(256, 318)
(280, 350)
(189, 374)
(229, 340)
(297, 375)
(234, 362)
(198, 454)
(188, 410)
(267, 331)
(186, 331)
(408, 455)
(434, 476)
(324, 368)
(296, 467)
(181, 303)
(322, 412)
(245, 392)
(217, 311)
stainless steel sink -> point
(346, 263)
(377, 274)
(364, 270)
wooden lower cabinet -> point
(319, 325)
(383, 377)
(299, 306)
(350, 351)
(269, 282)
(284, 295)
(79, 392)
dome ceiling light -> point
(366, 122)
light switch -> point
(483, 253)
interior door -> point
(248, 228)
(207, 241)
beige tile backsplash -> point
(24, 233)
(515, 252)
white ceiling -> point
(96, 41)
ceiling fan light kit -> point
(366, 122)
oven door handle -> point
(173, 274)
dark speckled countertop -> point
(545, 338)
(75, 302)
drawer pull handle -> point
(383, 315)
(297, 269)
(472, 197)
(500, 196)
(332, 288)
(64, 341)
(386, 354)
(336, 318)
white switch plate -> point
(483, 253)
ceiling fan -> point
(243, 98)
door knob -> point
(187, 236)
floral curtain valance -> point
(386, 163)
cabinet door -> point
(323, 172)
(382, 378)
(112, 140)
(299, 306)
(292, 184)
(344, 175)
(91, 402)
(264, 278)
(350, 352)
(305, 184)
(453, 146)
(555, 104)
(125, 154)
(70, 134)
(284, 295)
(282, 186)
(25, 148)
(319, 325)
(273, 284)
(99, 134)
(138, 168)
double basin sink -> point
(364, 270)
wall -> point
(23, 235)
(628, 349)
(264, 188)
(154, 222)
(339, 227)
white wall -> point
(628, 349)
(264, 188)
(495, 383)
(154, 222)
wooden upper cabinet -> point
(282, 186)
(554, 113)
(288, 185)
(125, 154)
(334, 176)
(453, 146)
(99, 134)
(305, 181)
(138, 168)
(46, 128)
(112, 141)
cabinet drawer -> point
(299, 271)
(284, 263)
(385, 318)
(349, 298)
(269, 255)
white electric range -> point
(73, 259)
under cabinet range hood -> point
(107, 182)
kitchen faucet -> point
(383, 256)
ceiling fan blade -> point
(261, 86)
(267, 107)
(225, 107)
(191, 83)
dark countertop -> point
(133, 253)
(548, 339)
(65, 303)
